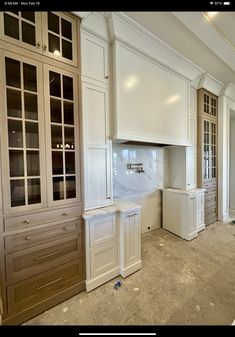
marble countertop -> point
(119, 205)
(188, 191)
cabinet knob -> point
(27, 238)
(108, 198)
(26, 221)
(65, 214)
(38, 45)
(44, 47)
(66, 229)
(106, 77)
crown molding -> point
(229, 91)
(211, 84)
(127, 31)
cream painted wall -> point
(142, 188)
(232, 161)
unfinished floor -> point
(180, 283)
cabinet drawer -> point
(35, 289)
(209, 212)
(210, 200)
(210, 185)
(210, 219)
(30, 220)
(30, 238)
(31, 261)
(102, 229)
(103, 258)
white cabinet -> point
(102, 249)
(96, 125)
(130, 248)
(179, 213)
(97, 146)
(183, 212)
(183, 160)
(95, 58)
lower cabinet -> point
(44, 264)
(112, 243)
(183, 212)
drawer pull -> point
(48, 255)
(66, 229)
(26, 221)
(132, 214)
(27, 238)
(193, 198)
(49, 283)
(64, 214)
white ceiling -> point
(208, 42)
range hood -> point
(151, 101)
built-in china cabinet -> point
(207, 151)
(42, 231)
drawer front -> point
(210, 212)
(102, 230)
(31, 261)
(103, 258)
(30, 238)
(40, 218)
(210, 201)
(35, 289)
(210, 219)
(210, 184)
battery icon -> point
(227, 3)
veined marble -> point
(128, 182)
(142, 188)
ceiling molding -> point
(209, 35)
(211, 84)
(127, 31)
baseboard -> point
(191, 236)
(232, 213)
(98, 281)
(223, 216)
(131, 269)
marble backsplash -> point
(128, 182)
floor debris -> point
(136, 289)
(212, 304)
(198, 307)
(65, 309)
(117, 285)
(161, 244)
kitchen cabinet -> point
(41, 228)
(97, 144)
(180, 213)
(52, 34)
(207, 154)
(130, 247)
(102, 248)
(95, 59)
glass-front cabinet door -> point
(60, 37)
(61, 97)
(22, 29)
(22, 125)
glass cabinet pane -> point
(56, 116)
(69, 138)
(58, 188)
(31, 106)
(68, 113)
(11, 26)
(34, 191)
(13, 73)
(67, 87)
(67, 49)
(16, 163)
(14, 103)
(56, 137)
(54, 44)
(69, 162)
(30, 77)
(70, 187)
(33, 167)
(66, 29)
(28, 33)
(57, 162)
(53, 23)
(29, 16)
(15, 133)
(32, 137)
(55, 89)
(17, 193)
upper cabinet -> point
(95, 58)
(40, 151)
(51, 34)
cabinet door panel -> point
(94, 58)
(104, 258)
(22, 29)
(132, 238)
(23, 146)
